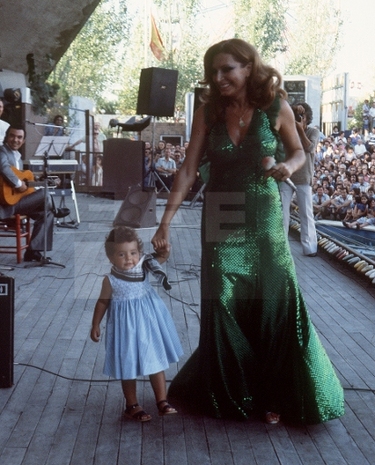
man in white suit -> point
(302, 179)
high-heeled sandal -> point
(272, 418)
(167, 409)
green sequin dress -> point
(258, 349)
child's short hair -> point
(119, 235)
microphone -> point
(268, 163)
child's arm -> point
(162, 252)
(100, 309)
(356, 212)
(362, 212)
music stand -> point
(45, 260)
(53, 145)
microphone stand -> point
(45, 260)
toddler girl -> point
(141, 338)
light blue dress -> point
(141, 338)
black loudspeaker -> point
(157, 92)
(138, 210)
(123, 165)
(6, 331)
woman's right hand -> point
(161, 236)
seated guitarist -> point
(32, 203)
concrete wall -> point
(40, 27)
(163, 129)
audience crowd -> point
(344, 178)
(343, 184)
(165, 161)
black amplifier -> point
(6, 331)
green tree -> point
(183, 50)
(262, 23)
(105, 60)
(187, 57)
(357, 120)
(129, 75)
(92, 65)
(313, 38)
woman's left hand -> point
(163, 248)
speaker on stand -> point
(138, 210)
(156, 97)
(157, 92)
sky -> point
(356, 55)
(357, 43)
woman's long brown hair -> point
(263, 84)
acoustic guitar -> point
(9, 195)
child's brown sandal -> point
(167, 409)
(141, 415)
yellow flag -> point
(156, 43)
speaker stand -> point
(198, 196)
(152, 181)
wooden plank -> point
(240, 445)
(152, 450)
(343, 440)
(217, 440)
(197, 449)
(87, 434)
(175, 451)
(109, 434)
(12, 456)
(329, 451)
(64, 440)
(14, 408)
(359, 423)
(283, 445)
(307, 450)
(261, 444)
(48, 424)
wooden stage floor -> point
(61, 410)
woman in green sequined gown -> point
(258, 350)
